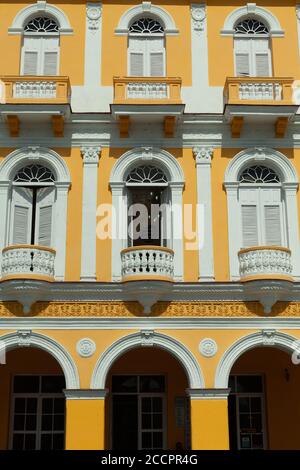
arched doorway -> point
(263, 404)
(32, 404)
(147, 406)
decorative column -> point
(85, 419)
(93, 45)
(209, 419)
(203, 156)
(90, 157)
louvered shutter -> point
(242, 64)
(262, 65)
(156, 64)
(44, 216)
(50, 63)
(249, 226)
(272, 225)
(136, 64)
(21, 216)
(30, 66)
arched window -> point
(262, 209)
(252, 48)
(40, 50)
(146, 48)
(148, 204)
(32, 203)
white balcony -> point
(266, 262)
(28, 262)
(147, 263)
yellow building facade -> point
(149, 235)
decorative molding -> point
(150, 10)
(51, 346)
(24, 338)
(203, 155)
(147, 337)
(167, 343)
(253, 10)
(40, 7)
(268, 337)
(208, 347)
(93, 13)
(198, 12)
(130, 309)
(90, 155)
(86, 347)
(246, 343)
(86, 394)
(208, 393)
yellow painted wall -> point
(178, 47)
(221, 63)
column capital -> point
(208, 393)
(203, 155)
(90, 155)
(85, 394)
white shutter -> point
(262, 65)
(249, 226)
(44, 216)
(136, 64)
(242, 64)
(166, 219)
(156, 64)
(50, 63)
(21, 210)
(30, 66)
(272, 226)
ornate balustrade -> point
(147, 262)
(162, 90)
(34, 89)
(253, 90)
(265, 262)
(28, 262)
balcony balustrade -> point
(265, 262)
(28, 262)
(147, 263)
(34, 89)
(254, 90)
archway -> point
(32, 405)
(147, 407)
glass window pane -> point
(257, 441)
(157, 404)
(245, 423)
(249, 383)
(255, 404)
(157, 421)
(30, 423)
(18, 441)
(26, 384)
(47, 406)
(256, 423)
(47, 423)
(244, 404)
(146, 421)
(59, 423)
(147, 440)
(59, 405)
(124, 383)
(20, 405)
(31, 405)
(46, 441)
(245, 441)
(19, 422)
(53, 383)
(58, 442)
(152, 384)
(146, 405)
(30, 441)
(157, 440)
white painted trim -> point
(263, 338)
(90, 157)
(203, 156)
(208, 393)
(146, 8)
(147, 338)
(282, 165)
(164, 160)
(41, 7)
(87, 394)
(93, 46)
(28, 338)
(251, 9)
(52, 160)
